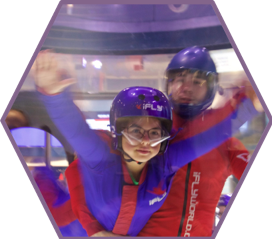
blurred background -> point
(116, 46)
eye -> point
(198, 82)
(155, 132)
(180, 74)
(134, 130)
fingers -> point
(257, 104)
(251, 94)
(255, 100)
(45, 61)
(50, 72)
(57, 87)
(69, 66)
(67, 82)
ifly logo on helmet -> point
(150, 106)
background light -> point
(84, 62)
(97, 64)
(70, 9)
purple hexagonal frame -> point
(138, 2)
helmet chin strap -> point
(130, 158)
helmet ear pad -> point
(121, 124)
(164, 146)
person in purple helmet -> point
(192, 82)
(126, 177)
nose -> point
(145, 139)
(187, 85)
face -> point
(142, 152)
(188, 88)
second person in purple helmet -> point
(192, 82)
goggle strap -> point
(176, 133)
(113, 131)
(156, 143)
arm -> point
(62, 212)
(66, 116)
(89, 147)
(193, 147)
(88, 221)
(238, 156)
(212, 117)
(79, 206)
(63, 112)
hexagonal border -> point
(138, 2)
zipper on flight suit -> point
(185, 199)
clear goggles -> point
(135, 135)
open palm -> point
(47, 74)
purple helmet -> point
(224, 200)
(140, 101)
(194, 59)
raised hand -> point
(251, 94)
(245, 86)
(48, 75)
